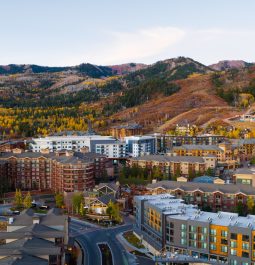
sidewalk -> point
(85, 222)
(129, 247)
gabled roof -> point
(23, 260)
(30, 246)
(110, 185)
(105, 199)
(53, 217)
(205, 187)
(37, 230)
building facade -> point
(61, 171)
(112, 150)
(70, 142)
(166, 142)
(122, 131)
(166, 223)
(175, 165)
(216, 197)
(140, 145)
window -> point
(233, 252)
(183, 241)
(204, 230)
(245, 254)
(245, 238)
(212, 239)
(245, 246)
(212, 247)
(183, 227)
(233, 236)
(204, 245)
(213, 232)
(192, 228)
(224, 249)
(233, 244)
(224, 241)
(224, 233)
(233, 262)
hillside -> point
(229, 64)
(157, 96)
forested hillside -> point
(38, 100)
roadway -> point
(89, 236)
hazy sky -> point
(69, 32)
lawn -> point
(133, 239)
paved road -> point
(89, 237)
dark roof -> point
(244, 171)
(106, 198)
(30, 246)
(198, 147)
(70, 159)
(127, 126)
(37, 230)
(205, 187)
(166, 158)
(23, 260)
(110, 185)
(52, 218)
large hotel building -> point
(61, 171)
(166, 223)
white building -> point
(140, 145)
(112, 150)
(75, 143)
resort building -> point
(216, 197)
(165, 223)
(175, 165)
(70, 142)
(122, 131)
(61, 171)
(140, 145)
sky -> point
(107, 32)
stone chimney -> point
(17, 151)
(69, 153)
(45, 151)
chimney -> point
(69, 153)
(36, 220)
(17, 151)
(45, 150)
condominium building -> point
(70, 142)
(212, 196)
(175, 165)
(198, 150)
(121, 131)
(166, 223)
(60, 171)
(112, 150)
(140, 145)
(245, 148)
(165, 142)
